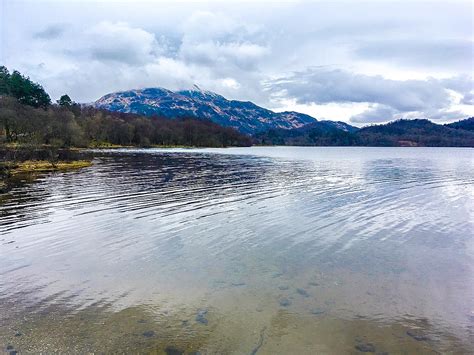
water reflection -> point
(268, 244)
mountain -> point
(419, 132)
(243, 115)
(467, 124)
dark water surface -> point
(245, 251)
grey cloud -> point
(446, 115)
(217, 40)
(420, 52)
(388, 99)
(51, 32)
(382, 114)
(468, 99)
(120, 42)
(320, 86)
(376, 114)
(460, 83)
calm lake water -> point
(281, 250)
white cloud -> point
(388, 99)
(118, 42)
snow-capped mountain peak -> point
(242, 115)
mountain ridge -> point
(245, 116)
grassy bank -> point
(41, 166)
(13, 173)
(24, 163)
(105, 145)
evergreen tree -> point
(23, 89)
(65, 101)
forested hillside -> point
(397, 133)
(27, 117)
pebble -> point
(417, 335)
(285, 302)
(148, 334)
(365, 347)
(302, 292)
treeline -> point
(76, 126)
(418, 132)
(314, 134)
(27, 117)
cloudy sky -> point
(359, 62)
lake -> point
(262, 250)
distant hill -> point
(467, 124)
(318, 133)
(417, 132)
(420, 132)
(242, 115)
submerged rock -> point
(365, 347)
(236, 284)
(285, 302)
(302, 292)
(317, 311)
(148, 334)
(418, 336)
(201, 317)
(173, 351)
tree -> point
(4, 81)
(65, 101)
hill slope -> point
(467, 124)
(398, 133)
(419, 132)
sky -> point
(359, 62)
